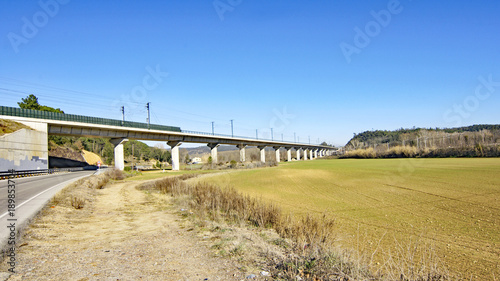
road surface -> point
(31, 194)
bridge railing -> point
(230, 136)
(30, 113)
(21, 112)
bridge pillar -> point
(277, 150)
(242, 152)
(262, 154)
(118, 151)
(311, 154)
(316, 153)
(298, 153)
(289, 154)
(305, 154)
(175, 154)
(213, 151)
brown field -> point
(430, 211)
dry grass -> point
(91, 157)
(361, 153)
(393, 152)
(77, 202)
(83, 191)
(312, 254)
(9, 126)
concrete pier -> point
(213, 151)
(298, 153)
(175, 154)
(311, 154)
(118, 151)
(305, 154)
(242, 152)
(277, 150)
(289, 154)
(262, 153)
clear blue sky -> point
(280, 64)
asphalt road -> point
(28, 188)
(31, 194)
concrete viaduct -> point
(119, 134)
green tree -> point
(31, 102)
(108, 153)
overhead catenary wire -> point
(110, 107)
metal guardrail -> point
(21, 112)
(25, 173)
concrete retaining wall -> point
(25, 149)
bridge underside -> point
(119, 135)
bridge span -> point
(119, 132)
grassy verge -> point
(309, 241)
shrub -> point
(77, 202)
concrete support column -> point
(262, 154)
(289, 154)
(277, 150)
(315, 153)
(305, 154)
(175, 154)
(311, 154)
(119, 156)
(213, 151)
(242, 152)
(298, 153)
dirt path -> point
(125, 234)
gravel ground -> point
(120, 234)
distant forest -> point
(470, 141)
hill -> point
(9, 126)
(476, 140)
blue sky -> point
(324, 69)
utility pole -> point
(133, 156)
(147, 107)
(232, 132)
(213, 128)
(272, 134)
(123, 115)
(257, 134)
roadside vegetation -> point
(308, 244)
(438, 210)
(9, 126)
